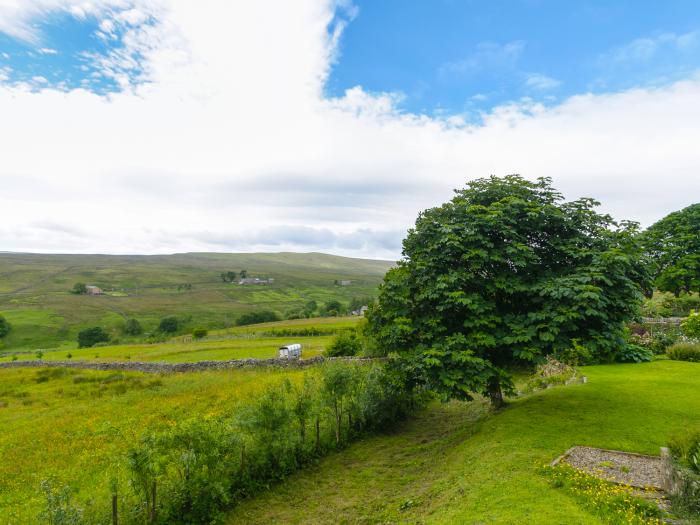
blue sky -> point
(468, 56)
(326, 125)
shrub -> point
(346, 343)
(79, 289)
(691, 324)
(631, 353)
(261, 316)
(685, 449)
(58, 508)
(92, 336)
(4, 327)
(684, 352)
(169, 324)
(198, 333)
(656, 340)
(39, 354)
(575, 355)
(133, 327)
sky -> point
(155, 126)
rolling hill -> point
(35, 290)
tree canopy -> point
(4, 326)
(506, 273)
(91, 336)
(673, 244)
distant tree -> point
(358, 302)
(79, 289)
(346, 343)
(333, 307)
(244, 274)
(231, 276)
(504, 274)
(199, 333)
(169, 324)
(91, 336)
(5, 326)
(310, 308)
(224, 277)
(133, 327)
(673, 245)
(262, 316)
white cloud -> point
(647, 48)
(541, 82)
(231, 145)
(488, 55)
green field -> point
(454, 463)
(457, 464)
(35, 298)
(259, 341)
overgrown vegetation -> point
(684, 352)
(685, 450)
(92, 336)
(260, 316)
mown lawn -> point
(457, 464)
(73, 426)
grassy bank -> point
(456, 464)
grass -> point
(456, 464)
(72, 425)
(34, 290)
(259, 341)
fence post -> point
(153, 502)
(115, 517)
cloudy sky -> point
(154, 126)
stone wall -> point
(160, 367)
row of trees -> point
(230, 276)
(507, 273)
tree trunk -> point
(495, 392)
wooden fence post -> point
(153, 502)
(115, 517)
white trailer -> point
(292, 351)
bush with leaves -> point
(5, 327)
(261, 316)
(133, 327)
(691, 325)
(684, 351)
(199, 333)
(58, 507)
(169, 324)
(92, 336)
(634, 354)
(346, 343)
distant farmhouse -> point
(256, 280)
(361, 312)
(93, 290)
(343, 283)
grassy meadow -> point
(72, 426)
(259, 341)
(457, 463)
(35, 290)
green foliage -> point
(673, 245)
(665, 304)
(631, 353)
(169, 324)
(92, 336)
(58, 508)
(229, 277)
(656, 338)
(346, 343)
(691, 324)
(5, 326)
(684, 351)
(202, 466)
(333, 308)
(575, 355)
(260, 316)
(133, 327)
(199, 333)
(79, 289)
(504, 274)
(685, 449)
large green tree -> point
(673, 244)
(506, 273)
(4, 327)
